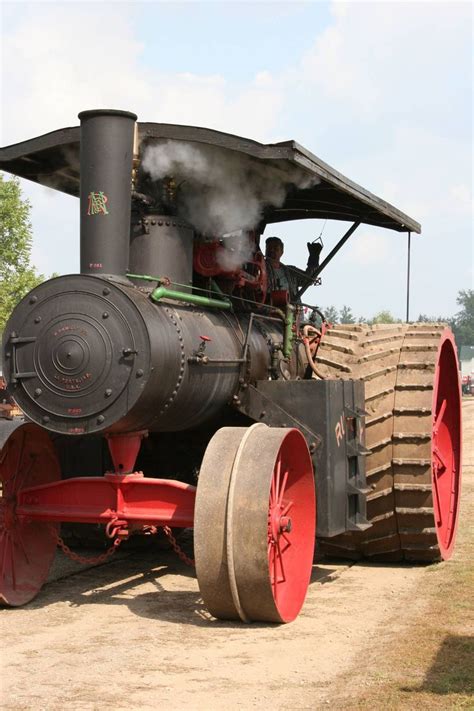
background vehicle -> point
(467, 385)
(167, 364)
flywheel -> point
(413, 434)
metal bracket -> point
(15, 342)
(261, 408)
(356, 485)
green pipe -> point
(145, 277)
(216, 288)
(288, 334)
(162, 292)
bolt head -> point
(285, 524)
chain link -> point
(96, 560)
(87, 560)
(177, 549)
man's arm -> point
(302, 278)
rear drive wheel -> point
(413, 433)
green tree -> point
(423, 318)
(17, 276)
(463, 322)
(384, 317)
(346, 315)
(331, 314)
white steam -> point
(221, 190)
(238, 249)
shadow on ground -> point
(452, 671)
(118, 581)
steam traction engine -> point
(166, 386)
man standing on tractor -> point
(282, 277)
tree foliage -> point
(424, 318)
(346, 315)
(384, 317)
(331, 314)
(17, 276)
(463, 322)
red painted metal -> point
(291, 525)
(446, 444)
(210, 259)
(123, 501)
(26, 546)
(124, 450)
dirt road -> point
(133, 634)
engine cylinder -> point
(161, 246)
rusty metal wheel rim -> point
(446, 444)
(26, 547)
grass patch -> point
(430, 664)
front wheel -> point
(255, 524)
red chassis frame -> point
(124, 501)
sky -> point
(382, 91)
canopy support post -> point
(408, 276)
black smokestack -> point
(106, 174)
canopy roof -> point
(53, 160)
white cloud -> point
(461, 199)
(380, 56)
(368, 248)
(66, 58)
(59, 61)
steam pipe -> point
(162, 292)
(288, 333)
(107, 139)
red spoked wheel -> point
(446, 445)
(26, 547)
(255, 523)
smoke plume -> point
(221, 191)
(238, 249)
